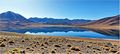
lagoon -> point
(70, 32)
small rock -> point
(15, 50)
(11, 42)
(42, 48)
(113, 51)
(53, 51)
(27, 48)
(69, 45)
(107, 49)
(57, 46)
(23, 41)
(46, 43)
(88, 46)
(22, 52)
(75, 49)
(42, 44)
(2, 45)
(4, 40)
(109, 44)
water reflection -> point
(70, 31)
(48, 29)
(108, 32)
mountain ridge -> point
(10, 16)
(13, 20)
(109, 21)
(59, 21)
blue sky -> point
(72, 9)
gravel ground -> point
(13, 43)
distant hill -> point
(58, 21)
(108, 21)
(12, 17)
(10, 20)
(13, 20)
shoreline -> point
(61, 36)
(101, 27)
(77, 37)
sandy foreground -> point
(13, 43)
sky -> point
(71, 9)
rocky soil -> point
(12, 43)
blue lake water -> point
(70, 32)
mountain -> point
(108, 21)
(13, 20)
(10, 16)
(58, 21)
(10, 20)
